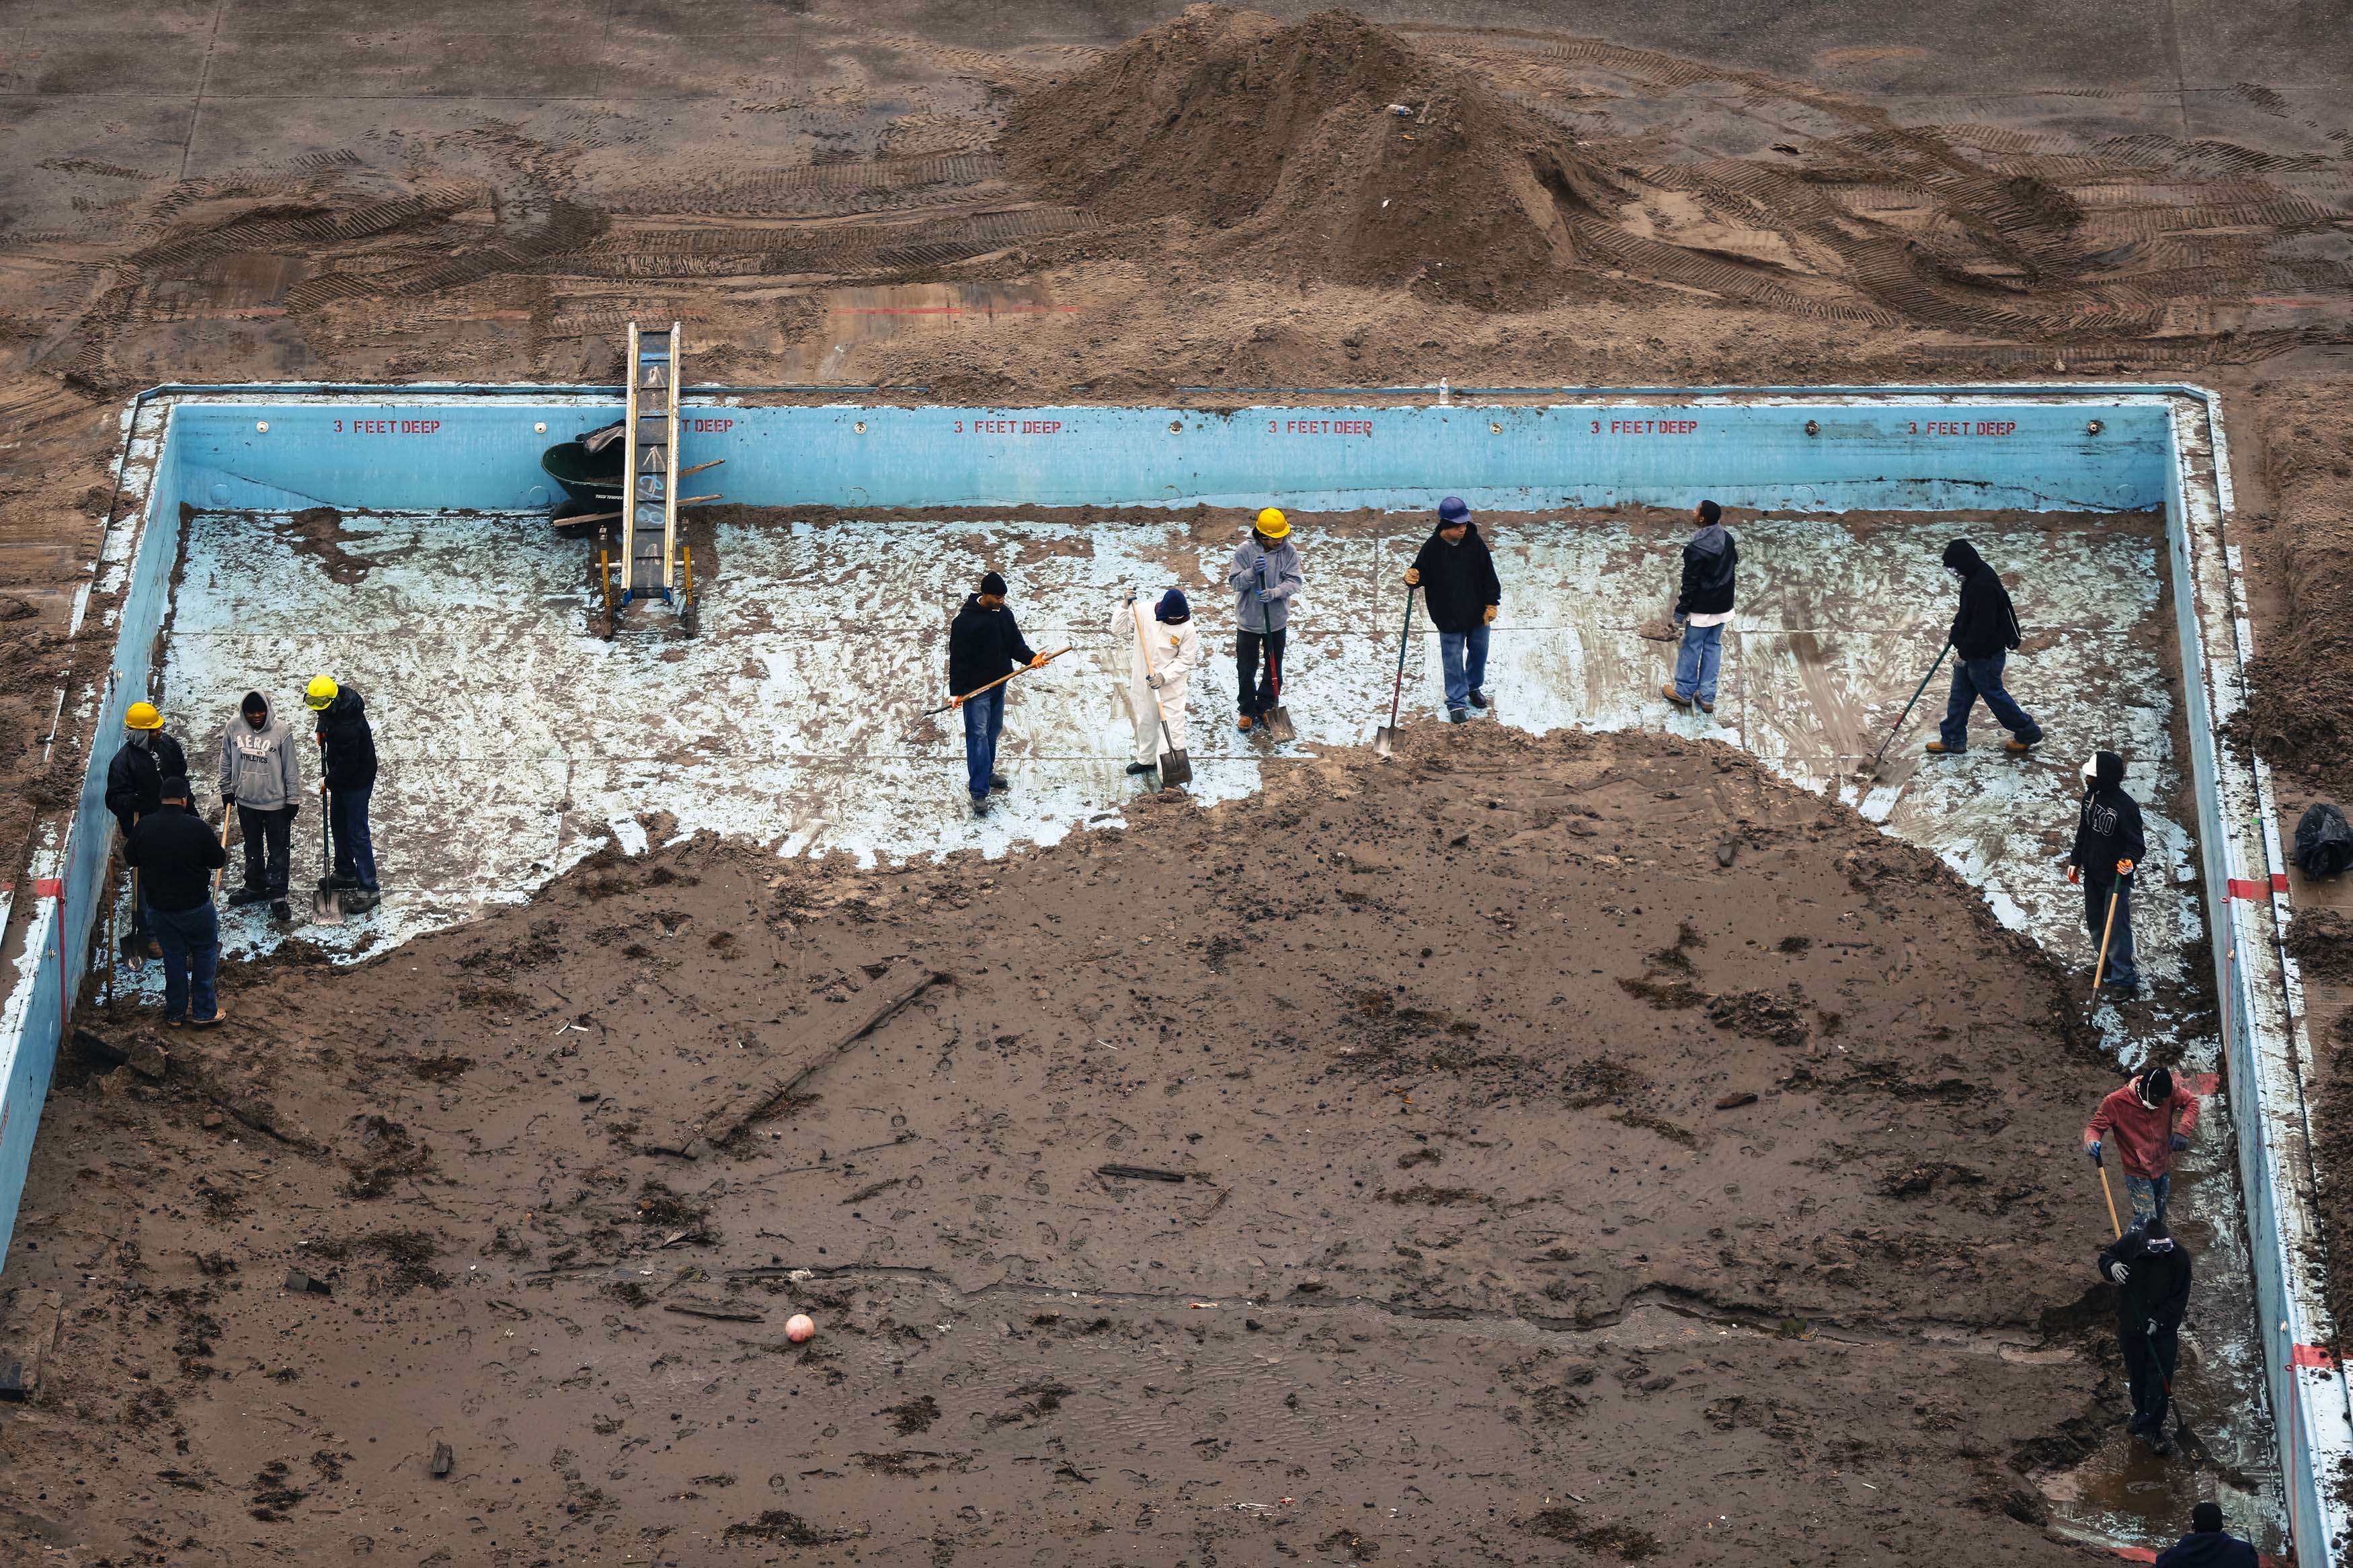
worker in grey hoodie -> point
(1264, 577)
(261, 776)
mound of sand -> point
(1286, 141)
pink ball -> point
(800, 1328)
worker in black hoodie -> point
(1985, 632)
(2208, 1544)
(2108, 845)
(2151, 1273)
(984, 644)
(347, 778)
(1458, 583)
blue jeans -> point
(2148, 1194)
(984, 721)
(347, 820)
(191, 942)
(1976, 677)
(2121, 969)
(1696, 662)
(1463, 675)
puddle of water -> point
(855, 318)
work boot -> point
(2017, 747)
(1705, 705)
(281, 911)
(2158, 1443)
(998, 784)
(218, 1014)
(1142, 767)
(1478, 696)
(343, 880)
(1938, 749)
(1458, 715)
(980, 806)
(360, 900)
(1671, 695)
(1243, 723)
(244, 896)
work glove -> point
(1153, 680)
(1490, 614)
(1413, 577)
(2119, 1273)
(2155, 1329)
(2179, 1143)
(1263, 595)
(955, 701)
(2124, 867)
(2074, 872)
(227, 801)
(2093, 1148)
(1037, 659)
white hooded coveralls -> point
(1175, 650)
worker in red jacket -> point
(2144, 1120)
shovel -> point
(1385, 738)
(326, 903)
(1176, 768)
(1275, 720)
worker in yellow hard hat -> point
(1264, 577)
(346, 778)
(134, 779)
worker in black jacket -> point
(176, 855)
(1702, 607)
(1985, 632)
(2151, 1273)
(2108, 845)
(347, 780)
(1458, 583)
(134, 779)
(2208, 1544)
(984, 645)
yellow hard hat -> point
(1273, 525)
(142, 716)
(323, 691)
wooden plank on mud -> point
(817, 1042)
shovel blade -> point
(1278, 725)
(326, 906)
(1176, 770)
(1385, 741)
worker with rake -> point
(985, 647)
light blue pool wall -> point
(486, 457)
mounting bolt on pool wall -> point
(2094, 428)
(1813, 427)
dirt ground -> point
(1581, 1142)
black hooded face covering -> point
(2107, 770)
(1961, 556)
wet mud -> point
(1576, 1148)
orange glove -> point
(1413, 577)
(2074, 873)
(2124, 867)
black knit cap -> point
(991, 583)
(2207, 1518)
(173, 788)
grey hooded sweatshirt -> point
(1283, 581)
(260, 768)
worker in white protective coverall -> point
(1160, 672)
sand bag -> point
(2323, 844)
